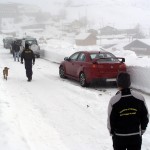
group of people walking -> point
(27, 57)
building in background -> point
(85, 39)
(140, 46)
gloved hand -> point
(21, 62)
(142, 132)
(111, 133)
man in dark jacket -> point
(29, 59)
(127, 116)
(16, 50)
(12, 48)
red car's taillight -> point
(94, 65)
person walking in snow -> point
(29, 60)
(16, 50)
(127, 116)
(13, 48)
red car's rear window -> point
(104, 57)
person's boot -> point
(29, 78)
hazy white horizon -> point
(115, 13)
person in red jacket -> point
(127, 116)
(29, 59)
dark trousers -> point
(127, 142)
(28, 67)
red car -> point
(89, 66)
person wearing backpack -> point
(29, 59)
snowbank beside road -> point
(140, 78)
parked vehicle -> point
(7, 42)
(33, 45)
(89, 66)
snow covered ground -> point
(50, 113)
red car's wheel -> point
(61, 72)
(82, 80)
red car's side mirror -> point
(67, 59)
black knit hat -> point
(123, 80)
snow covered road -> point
(50, 113)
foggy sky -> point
(44, 4)
(103, 12)
(47, 5)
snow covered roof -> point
(146, 41)
(112, 36)
(82, 36)
(106, 41)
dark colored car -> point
(7, 42)
(89, 66)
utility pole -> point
(99, 36)
(85, 18)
